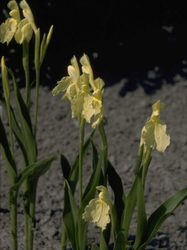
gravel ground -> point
(126, 115)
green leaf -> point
(70, 215)
(120, 242)
(161, 214)
(66, 168)
(26, 125)
(95, 247)
(16, 129)
(9, 160)
(41, 167)
(34, 171)
(119, 201)
(87, 197)
(142, 217)
(130, 203)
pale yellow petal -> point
(161, 137)
(88, 109)
(158, 105)
(86, 68)
(147, 136)
(13, 6)
(72, 73)
(87, 216)
(77, 105)
(62, 85)
(99, 83)
(24, 31)
(28, 14)
(97, 211)
(7, 30)
(101, 214)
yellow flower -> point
(15, 27)
(85, 98)
(97, 87)
(69, 83)
(83, 101)
(98, 210)
(154, 132)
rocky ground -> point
(126, 114)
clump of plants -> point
(85, 94)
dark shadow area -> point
(143, 42)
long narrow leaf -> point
(119, 194)
(34, 170)
(9, 161)
(87, 197)
(161, 214)
(16, 129)
(66, 168)
(70, 215)
(142, 217)
(26, 125)
(130, 203)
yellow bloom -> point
(98, 210)
(15, 27)
(154, 132)
(97, 87)
(85, 101)
(69, 83)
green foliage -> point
(113, 213)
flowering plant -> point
(21, 128)
(112, 212)
(109, 215)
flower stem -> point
(37, 71)
(25, 62)
(13, 214)
(146, 164)
(81, 143)
(32, 201)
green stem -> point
(26, 221)
(13, 215)
(139, 159)
(146, 164)
(37, 71)
(10, 130)
(32, 201)
(104, 146)
(25, 62)
(81, 143)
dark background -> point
(129, 37)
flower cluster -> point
(14, 26)
(84, 93)
(154, 132)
